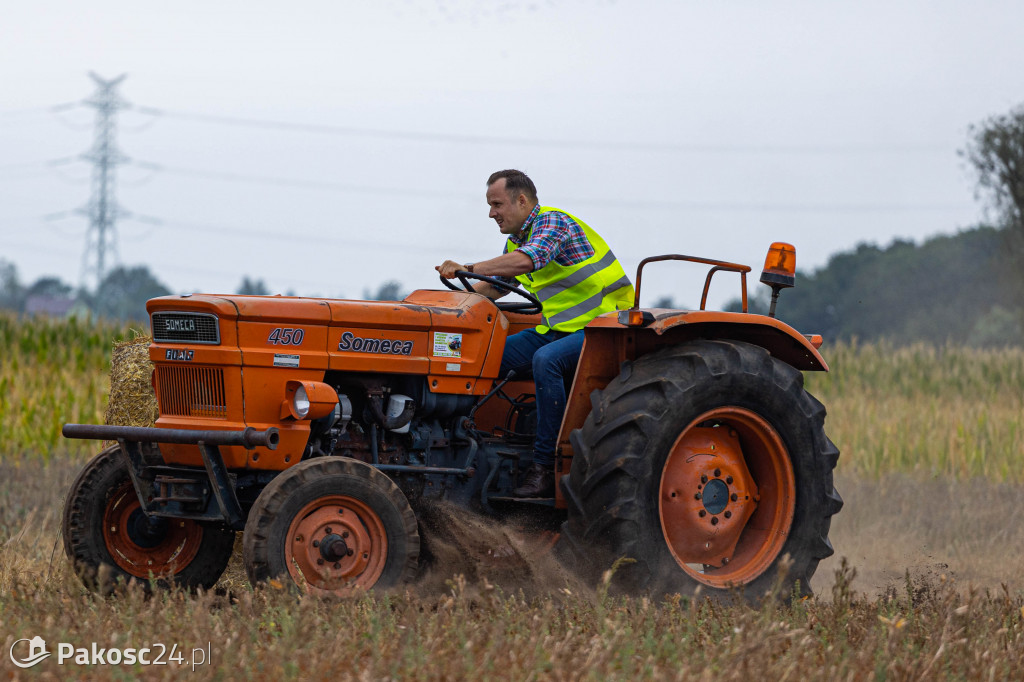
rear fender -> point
(607, 344)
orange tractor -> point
(316, 427)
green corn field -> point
(938, 412)
(53, 372)
(950, 411)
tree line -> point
(122, 294)
(966, 288)
(961, 289)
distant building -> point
(54, 306)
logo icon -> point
(36, 652)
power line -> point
(34, 248)
(699, 206)
(26, 165)
(613, 203)
(291, 182)
(695, 206)
(457, 138)
(291, 236)
(39, 110)
(635, 146)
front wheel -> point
(332, 525)
(706, 463)
(104, 525)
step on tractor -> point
(317, 428)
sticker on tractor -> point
(179, 354)
(447, 345)
(286, 360)
(350, 341)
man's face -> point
(509, 212)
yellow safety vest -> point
(573, 295)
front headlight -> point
(310, 400)
(300, 403)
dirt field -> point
(931, 590)
(963, 530)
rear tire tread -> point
(613, 466)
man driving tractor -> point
(572, 271)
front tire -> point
(332, 525)
(706, 463)
(104, 526)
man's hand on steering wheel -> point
(448, 268)
(531, 306)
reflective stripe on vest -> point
(573, 295)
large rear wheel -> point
(104, 525)
(706, 463)
(332, 525)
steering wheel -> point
(531, 306)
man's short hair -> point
(516, 182)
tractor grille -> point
(192, 392)
(186, 328)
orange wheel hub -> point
(727, 497)
(335, 545)
(141, 545)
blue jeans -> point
(551, 359)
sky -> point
(326, 147)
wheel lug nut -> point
(316, 543)
(696, 496)
(728, 514)
(327, 530)
(345, 534)
(703, 478)
(718, 472)
(734, 497)
(725, 560)
(319, 562)
(351, 552)
(728, 479)
(714, 520)
(702, 513)
(337, 564)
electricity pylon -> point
(102, 209)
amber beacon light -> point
(779, 270)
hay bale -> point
(132, 401)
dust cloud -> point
(900, 526)
(515, 554)
(889, 529)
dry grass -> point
(935, 615)
(132, 401)
(897, 524)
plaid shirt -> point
(551, 236)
